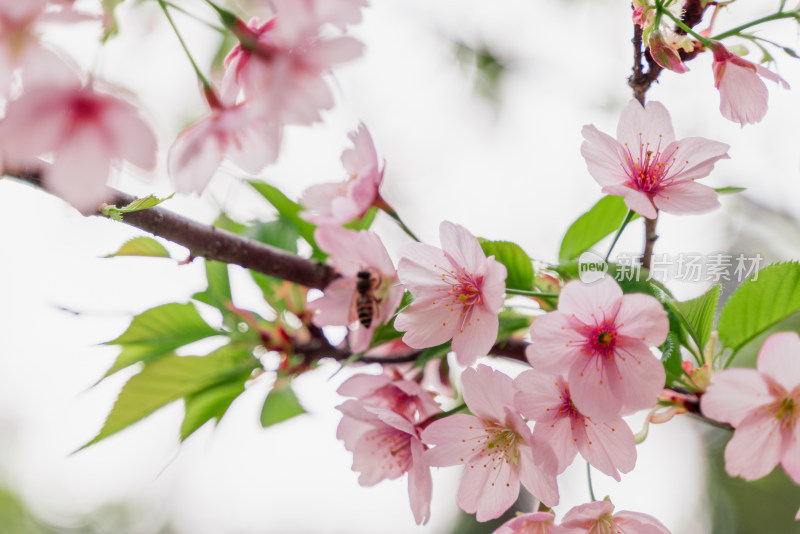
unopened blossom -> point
(648, 167)
(665, 46)
(763, 405)
(356, 255)
(609, 446)
(240, 133)
(600, 340)
(596, 518)
(341, 202)
(458, 293)
(386, 445)
(742, 93)
(534, 523)
(87, 133)
(495, 446)
(279, 65)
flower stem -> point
(775, 16)
(188, 13)
(625, 222)
(203, 80)
(679, 23)
(381, 204)
(528, 293)
(589, 479)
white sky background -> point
(514, 173)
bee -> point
(366, 301)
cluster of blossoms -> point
(743, 95)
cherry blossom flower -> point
(742, 94)
(535, 523)
(610, 447)
(280, 63)
(595, 518)
(386, 445)
(342, 303)
(338, 203)
(87, 133)
(240, 133)
(763, 406)
(647, 166)
(458, 293)
(404, 397)
(495, 446)
(600, 339)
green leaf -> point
(590, 228)
(115, 213)
(141, 246)
(518, 264)
(170, 378)
(218, 293)
(364, 222)
(729, 190)
(697, 315)
(281, 233)
(211, 404)
(510, 322)
(159, 331)
(384, 333)
(280, 405)
(291, 211)
(763, 300)
(671, 358)
(432, 353)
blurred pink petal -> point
(595, 517)
(535, 523)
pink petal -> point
(755, 448)
(743, 96)
(335, 306)
(791, 458)
(779, 359)
(642, 317)
(363, 155)
(420, 484)
(610, 447)
(325, 54)
(697, 154)
(555, 435)
(638, 523)
(537, 394)
(587, 514)
(687, 198)
(487, 392)
(80, 170)
(426, 323)
(534, 523)
(603, 155)
(768, 74)
(636, 201)
(455, 437)
(194, 158)
(538, 474)
(639, 125)
(462, 246)
(592, 392)
(641, 377)
(551, 335)
(733, 394)
(373, 456)
(132, 138)
(588, 302)
(418, 266)
(255, 145)
(493, 289)
(361, 385)
(487, 492)
(476, 335)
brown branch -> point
(213, 243)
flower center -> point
(649, 170)
(787, 411)
(603, 340)
(502, 441)
(465, 288)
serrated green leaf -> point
(432, 353)
(291, 211)
(170, 378)
(115, 213)
(698, 315)
(280, 405)
(671, 358)
(518, 264)
(763, 300)
(159, 331)
(211, 404)
(141, 246)
(590, 228)
(729, 190)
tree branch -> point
(213, 243)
